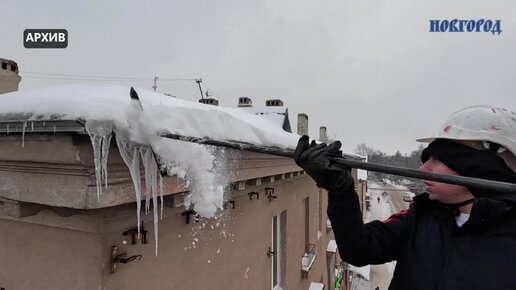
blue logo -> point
(456, 25)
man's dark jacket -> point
(430, 250)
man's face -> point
(443, 192)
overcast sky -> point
(368, 70)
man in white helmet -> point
(452, 237)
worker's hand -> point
(316, 160)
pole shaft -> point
(354, 162)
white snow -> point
(316, 286)
(112, 103)
(362, 271)
(275, 115)
(380, 210)
(108, 109)
(332, 246)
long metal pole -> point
(354, 162)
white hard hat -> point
(482, 125)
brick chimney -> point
(244, 102)
(323, 136)
(302, 124)
(274, 103)
(209, 101)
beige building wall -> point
(47, 247)
(42, 257)
(9, 78)
(227, 253)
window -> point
(278, 249)
(4, 65)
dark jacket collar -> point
(485, 211)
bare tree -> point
(364, 150)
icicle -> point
(23, 134)
(136, 177)
(147, 159)
(154, 175)
(99, 132)
(131, 156)
(151, 186)
(105, 152)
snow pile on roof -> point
(108, 109)
(161, 113)
(275, 115)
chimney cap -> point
(274, 103)
(209, 101)
(245, 102)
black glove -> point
(316, 160)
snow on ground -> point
(109, 109)
(381, 209)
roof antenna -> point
(155, 86)
(199, 81)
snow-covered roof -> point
(102, 110)
(160, 113)
(275, 114)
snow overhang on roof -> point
(160, 113)
(104, 110)
(25, 123)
